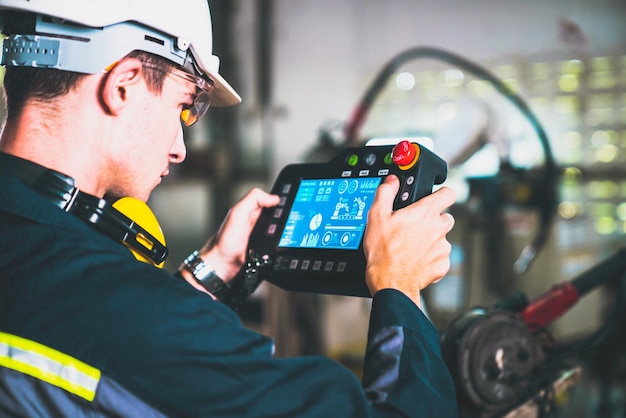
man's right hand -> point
(407, 249)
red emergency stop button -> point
(405, 154)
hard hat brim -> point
(223, 94)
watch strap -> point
(205, 274)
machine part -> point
(536, 407)
(495, 361)
(502, 358)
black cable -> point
(547, 211)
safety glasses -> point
(202, 98)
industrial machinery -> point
(504, 356)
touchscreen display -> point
(329, 213)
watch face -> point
(202, 271)
(197, 267)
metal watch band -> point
(205, 275)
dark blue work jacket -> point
(77, 302)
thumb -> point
(257, 199)
(267, 200)
(386, 193)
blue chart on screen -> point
(329, 213)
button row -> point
(369, 159)
(286, 263)
(365, 173)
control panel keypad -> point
(313, 237)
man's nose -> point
(178, 153)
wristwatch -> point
(206, 275)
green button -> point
(353, 160)
(388, 159)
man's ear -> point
(118, 84)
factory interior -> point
(526, 103)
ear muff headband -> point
(128, 220)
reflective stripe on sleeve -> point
(49, 365)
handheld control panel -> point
(313, 238)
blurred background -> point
(451, 74)
(525, 100)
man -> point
(96, 92)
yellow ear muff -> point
(143, 216)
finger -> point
(255, 200)
(259, 198)
(449, 219)
(267, 200)
(386, 194)
(441, 199)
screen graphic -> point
(329, 213)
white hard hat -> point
(104, 31)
